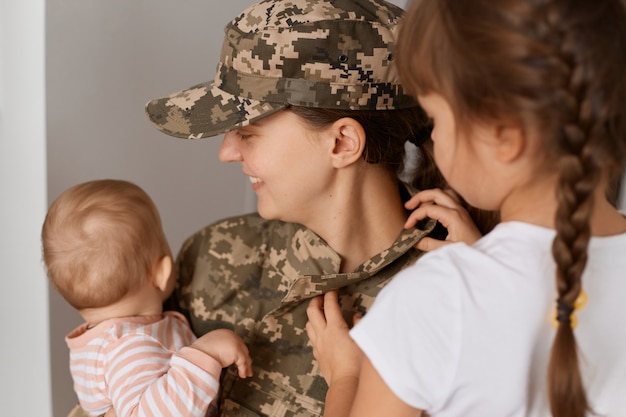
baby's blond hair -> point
(101, 239)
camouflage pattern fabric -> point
(313, 53)
(255, 277)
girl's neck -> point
(363, 216)
(538, 205)
(534, 205)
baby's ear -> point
(162, 273)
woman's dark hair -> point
(387, 130)
(556, 68)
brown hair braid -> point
(579, 176)
(556, 67)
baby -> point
(105, 252)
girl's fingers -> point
(310, 332)
(413, 218)
(315, 312)
(445, 215)
(435, 195)
(456, 220)
(332, 309)
(323, 311)
(426, 244)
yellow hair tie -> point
(568, 313)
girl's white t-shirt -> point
(467, 330)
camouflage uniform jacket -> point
(255, 276)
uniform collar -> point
(311, 285)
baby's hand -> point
(445, 208)
(227, 348)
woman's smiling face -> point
(286, 161)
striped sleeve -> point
(145, 379)
(86, 369)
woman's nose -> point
(229, 151)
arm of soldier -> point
(445, 208)
(227, 348)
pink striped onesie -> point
(142, 366)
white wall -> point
(24, 359)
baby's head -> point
(102, 240)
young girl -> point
(528, 100)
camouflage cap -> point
(313, 53)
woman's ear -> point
(162, 274)
(349, 141)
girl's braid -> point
(579, 175)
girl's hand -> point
(337, 354)
(444, 207)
